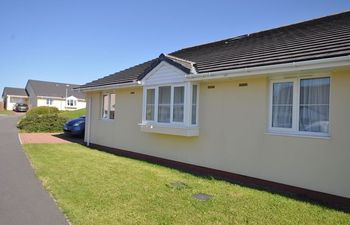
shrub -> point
(42, 123)
(41, 110)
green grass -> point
(95, 188)
(73, 114)
(6, 112)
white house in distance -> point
(269, 108)
(11, 96)
(45, 93)
(54, 94)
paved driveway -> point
(23, 200)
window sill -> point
(170, 129)
(300, 134)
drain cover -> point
(177, 185)
(202, 196)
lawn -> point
(73, 114)
(94, 187)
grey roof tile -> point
(320, 38)
(55, 89)
(14, 91)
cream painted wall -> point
(60, 104)
(233, 135)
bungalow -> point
(268, 108)
(11, 96)
(54, 94)
(45, 93)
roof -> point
(320, 38)
(14, 91)
(54, 89)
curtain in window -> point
(112, 107)
(164, 97)
(105, 106)
(178, 107)
(282, 105)
(150, 101)
(194, 105)
(314, 105)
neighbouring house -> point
(11, 96)
(45, 93)
(269, 107)
(54, 94)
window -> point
(164, 104)
(194, 105)
(282, 104)
(314, 105)
(108, 106)
(71, 102)
(178, 105)
(301, 105)
(171, 104)
(49, 101)
(150, 106)
(112, 107)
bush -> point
(41, 110)
(42, 123)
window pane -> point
(314, 105)
(105, 106)
(164, 104)
(112, 107)
(178, 107)
(150, 100)
(282, 105)
(194, 104)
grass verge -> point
(93, 187)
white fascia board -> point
(273, 69)
(19, 96)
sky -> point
(77, 41)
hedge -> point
(42, 123)
(41, 110)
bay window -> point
(300, 106)
(172, 106)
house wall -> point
(233, 135)
(61, 104)
(32, 95)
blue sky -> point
(77, 41)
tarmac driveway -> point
(23, 200)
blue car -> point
(75, 127)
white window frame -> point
(296, 108)
(187, 105)
(49, 101)
(109, 105)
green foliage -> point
(41, 110)
(94, 187)
(42, 123)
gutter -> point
(271, 69)
(134, 83)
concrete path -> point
(23, 200)
(42, 138)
